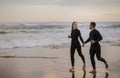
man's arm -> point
(88, 40)
(99, 36)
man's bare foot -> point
(72, 70)
(106, 65)
(107, 74)
(93, 71)
(84, 66)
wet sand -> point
(55, 63)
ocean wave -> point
(31, 42)
(50, 35)
(115, 26)
(31, 26)
(46, 44)
(4, 32)
(23, 31)
(110, 26)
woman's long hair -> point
(72, 26)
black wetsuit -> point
(95, 47)
(75, 44)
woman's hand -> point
(69, 36)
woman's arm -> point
(81, 37)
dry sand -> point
(42, 62)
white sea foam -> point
(45, 34)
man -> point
(94, 38)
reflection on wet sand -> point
(84, 75)
(28, 57)
(94, 75)
(106, 75)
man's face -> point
(91, 27)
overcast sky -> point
(59, 10)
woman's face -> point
(75, 26)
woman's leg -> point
(80, 53)
(72, 52)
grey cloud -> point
(62, 2)
(91, 2)
(26, 2)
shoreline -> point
(41, 62)
(54, 46)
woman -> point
(75, 44)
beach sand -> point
(40, 62)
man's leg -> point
(92, 55)
(98, 54)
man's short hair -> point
(93, 24)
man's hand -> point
(92, 41)
(83, 44)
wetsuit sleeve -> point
(99, 36)
(87, 40)
(81, 37)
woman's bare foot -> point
(93, 71)
(72, 69)
(84, 65)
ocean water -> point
(22, 35)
